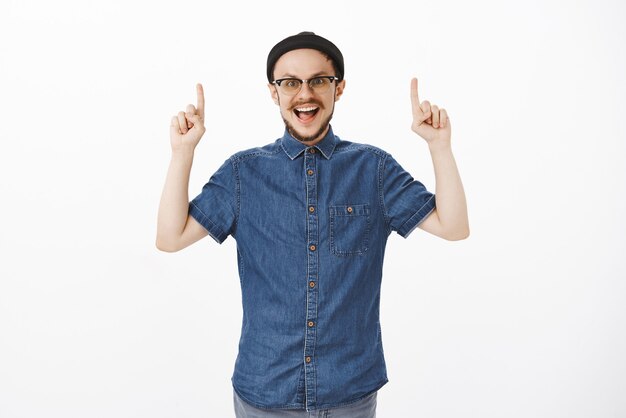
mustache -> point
(308, 102)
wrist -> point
(182, 152)
(182, 157)
(439, 147)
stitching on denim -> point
(351, 147)
(255, 152)
(235, 166)
(308, 275)
(214, 230)
(284, 150)
(421, 216)
(301, 384)
(308, 196)
(317, 269)
(287, 152)
(334, 213)
(381, 175)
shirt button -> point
(312, 247)
(311, 323)
(311, 209)
(308, 359)
(310, 172)
(311, 284)
(312, 150)
(349, 209)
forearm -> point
(449, 193)
(174, 205)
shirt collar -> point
(293, 148)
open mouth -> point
(306, 113)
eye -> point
(292, 84)
(318, 82)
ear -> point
(339, 89)
(274, 93)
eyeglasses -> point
(291, 86)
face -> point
(307, 113)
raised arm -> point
(449, 220)
(176, 229)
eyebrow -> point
(317, 74)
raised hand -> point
(187, 127)
(429, 121)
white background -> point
(526, 318)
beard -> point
(303, 138)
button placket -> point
(310, 168)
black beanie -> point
(301, 41)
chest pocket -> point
(349, 229)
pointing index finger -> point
(415, 100)
(200, 107)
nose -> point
(305, 90)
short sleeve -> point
(406, 201)
(215, 208)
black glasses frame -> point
(331, 78)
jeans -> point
(365, 408)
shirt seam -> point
(237, 194)
(212, 228)
(351, 147)
(244, 155)
(417, 217)
(381, 193)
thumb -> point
(195, 119)
(197, 122)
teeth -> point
(306, 109)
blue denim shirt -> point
(311, 225)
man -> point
(311, 215)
